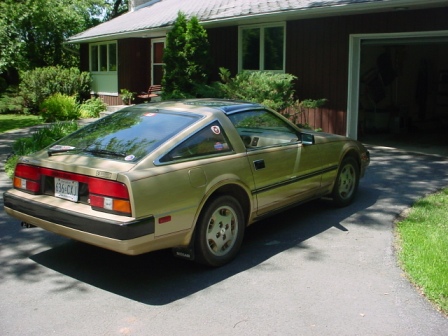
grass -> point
(423, 247)
(14, 121)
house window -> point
(158, 46)
(262, 47)
(103, 57)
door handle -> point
(259, 164)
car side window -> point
(208, 141)
(261, 128)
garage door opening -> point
(402, 91)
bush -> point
(38, 140)
(38, 84)
(59, 107)
(186, 58)
(92, 108)
(270, 89)
(11, 102)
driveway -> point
(313, 270)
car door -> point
(282, 172)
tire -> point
(346, 184)
(219, 232)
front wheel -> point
(346, 183)
(220, 231)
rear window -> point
(127, 135)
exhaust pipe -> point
(27, 225)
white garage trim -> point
(355, 43)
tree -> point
(197, 52)
(115, 8)
(186, 58)
(174, 57)
(32, 32)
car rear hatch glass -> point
(127, 135)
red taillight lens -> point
(27, 178)
(109, 195)
(104, 195)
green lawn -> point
(14, 121)
(423, 247)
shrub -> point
(186, 58)
(270, 89)
(11, 102)
(40, 139)
(92, 108)
(127, 96)
(59, 107)
(38, 84)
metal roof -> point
(157, 16)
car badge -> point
(129, 158)
(216, 129)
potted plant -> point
(127, 96)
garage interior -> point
(403, 97)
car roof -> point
(225, 105)
(202, 105)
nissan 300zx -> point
(188, 175)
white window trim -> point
(354, 70)
(261, 26)
(116, 57)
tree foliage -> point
(274, 90)
(186, 58)
(39, 84)
(115, 8)
(32, 32)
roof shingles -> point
(163, 13)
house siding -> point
(134, 63)
(223, 50)
(317, 52)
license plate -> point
(66, 189)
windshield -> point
(127, 135)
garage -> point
(402, 89)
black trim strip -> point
(294, 180)
(78, 221)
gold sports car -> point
(188, 175)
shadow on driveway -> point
(158, 278)
(393, 182)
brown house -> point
(382, 64)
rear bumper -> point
(37, 213)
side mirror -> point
(307, 139)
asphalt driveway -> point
(314, 270)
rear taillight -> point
(27, 178)
(110, 196)
(103, 195)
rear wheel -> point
(219, 232)
(347, 181)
